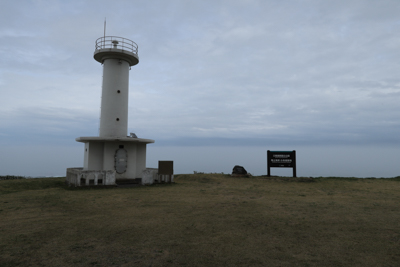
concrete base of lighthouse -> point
(125, 157)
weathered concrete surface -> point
(149, 176)
(80, 177)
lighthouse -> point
(113, 156)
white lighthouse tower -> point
(113, 156)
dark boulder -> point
(239, 170)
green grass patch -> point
(202, 220)
(18, 185)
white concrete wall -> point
(114, 105)
(76, 175)
(95, 156)
(132, 157)
(108, 155)
(86, 156)
(140, 159)
(101, 156)
(149, 175)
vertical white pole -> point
(104, 40)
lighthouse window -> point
(118, 91)
(117, 119)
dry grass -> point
(202, 220)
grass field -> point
(202, 220)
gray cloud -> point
(210, 72)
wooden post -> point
(268, 161)
(294, 163)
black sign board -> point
(281, 159)
(166, 167)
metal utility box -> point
(166, 167)
(165, 171)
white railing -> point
(79, 177)
(116, 43)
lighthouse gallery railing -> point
(116, 43)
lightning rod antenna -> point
(104, 31)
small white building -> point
(113, 156)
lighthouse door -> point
(121, 160)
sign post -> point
(281, 159)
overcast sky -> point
(218, 83)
